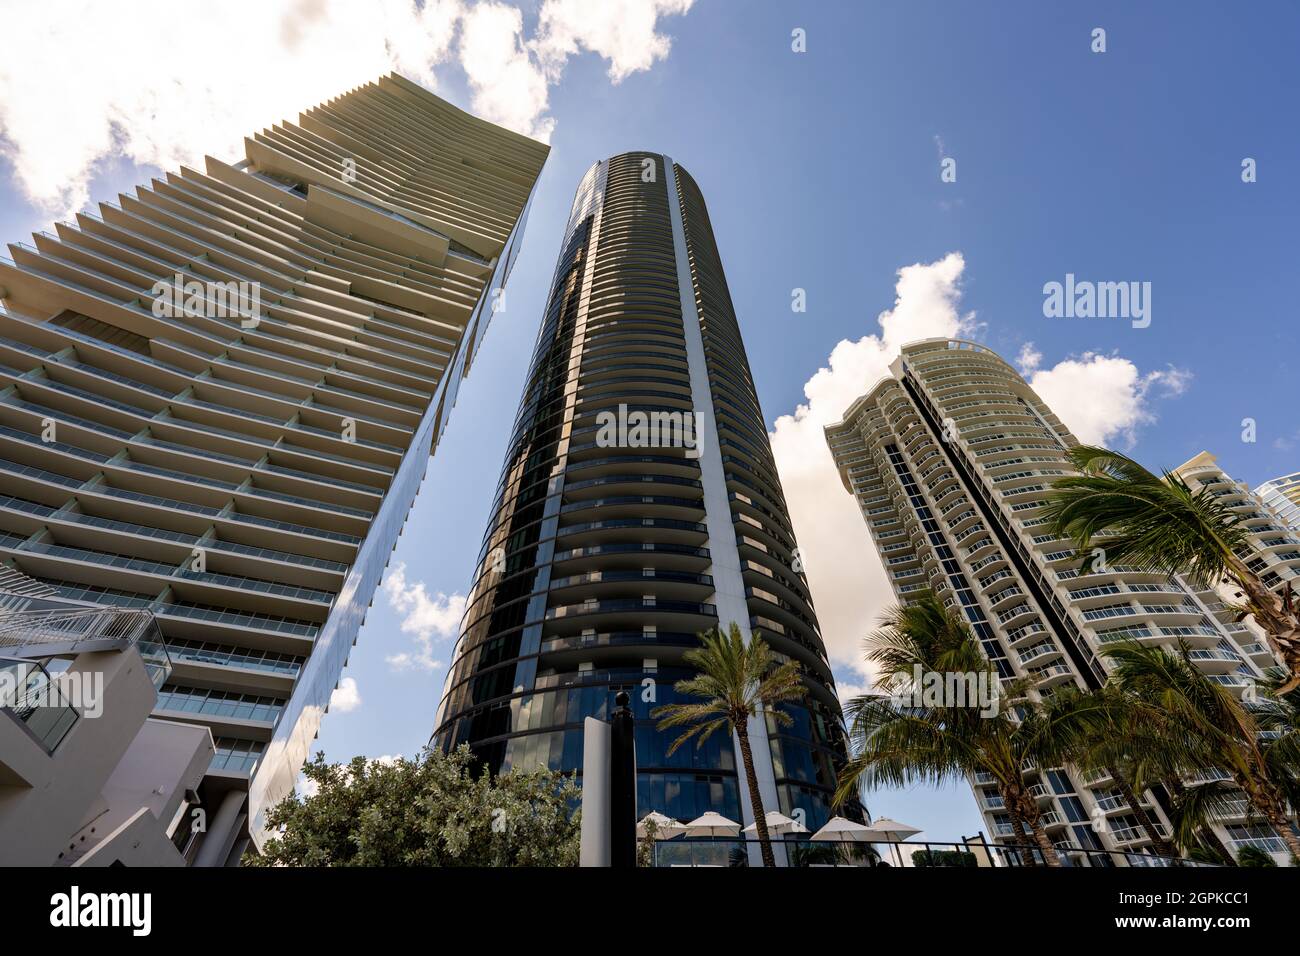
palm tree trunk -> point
(1018, 828)
(1208, 835)
(1143, 818)
(1265, 798)
(1211, 839)
(755, 798)
(1277, 615)
(1045, 844)
(1023, 805)
(1273, 807)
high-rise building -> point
(218, 398)
(1274, 544)
(1283, 496)
(638, 506)
(950, 459)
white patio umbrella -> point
(712, 824)
(890, 831)
(665, 827)
(777, 823)
(841, 830)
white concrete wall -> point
(117, 775)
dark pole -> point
(622, 786)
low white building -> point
(87, 777)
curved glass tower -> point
(638, 506)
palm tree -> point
(1138, 748)
(1257, 745)
(896, 743)
(1193, 809)
(735, 681)
(1104, 730)
(1159, 524)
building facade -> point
(950, 459)
(638, 506)
(87, 777)
(1283, 496)
(1274, 543)
(219, 395)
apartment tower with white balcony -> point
(1283, 496)
(950, 459)
(218, 397)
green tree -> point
(1105, 730)
(435, 810)
(896, 743)
(645, 845)
(1257, 744)
(1159, 524)
(735, 680)
(1192, 813)
(1250, 856)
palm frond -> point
(734, 679)
(1153, 522)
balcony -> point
(1233, 809)
(1233, 682)
(1039, 652)
(1026, 633)
(1051, 676)
(1115, 803)
(1129, 835)
(1267, 844)
(1215, 661)
(51, 628)
(1020, 610)
(1005, 595)
(1211, 775)
(1095, 778)
(33, 698)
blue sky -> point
(822, 171)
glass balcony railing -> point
(202, 652)
(33, 698)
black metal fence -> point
(715, 852)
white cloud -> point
(1102, 399)
(847, 581)
(200, 76)
(509, 85)
(1029, 359)
(307, 787)
(851, 683)
(428, 618)
(510, 75)
(1286, 442)
(621, 31)
(346, 697)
